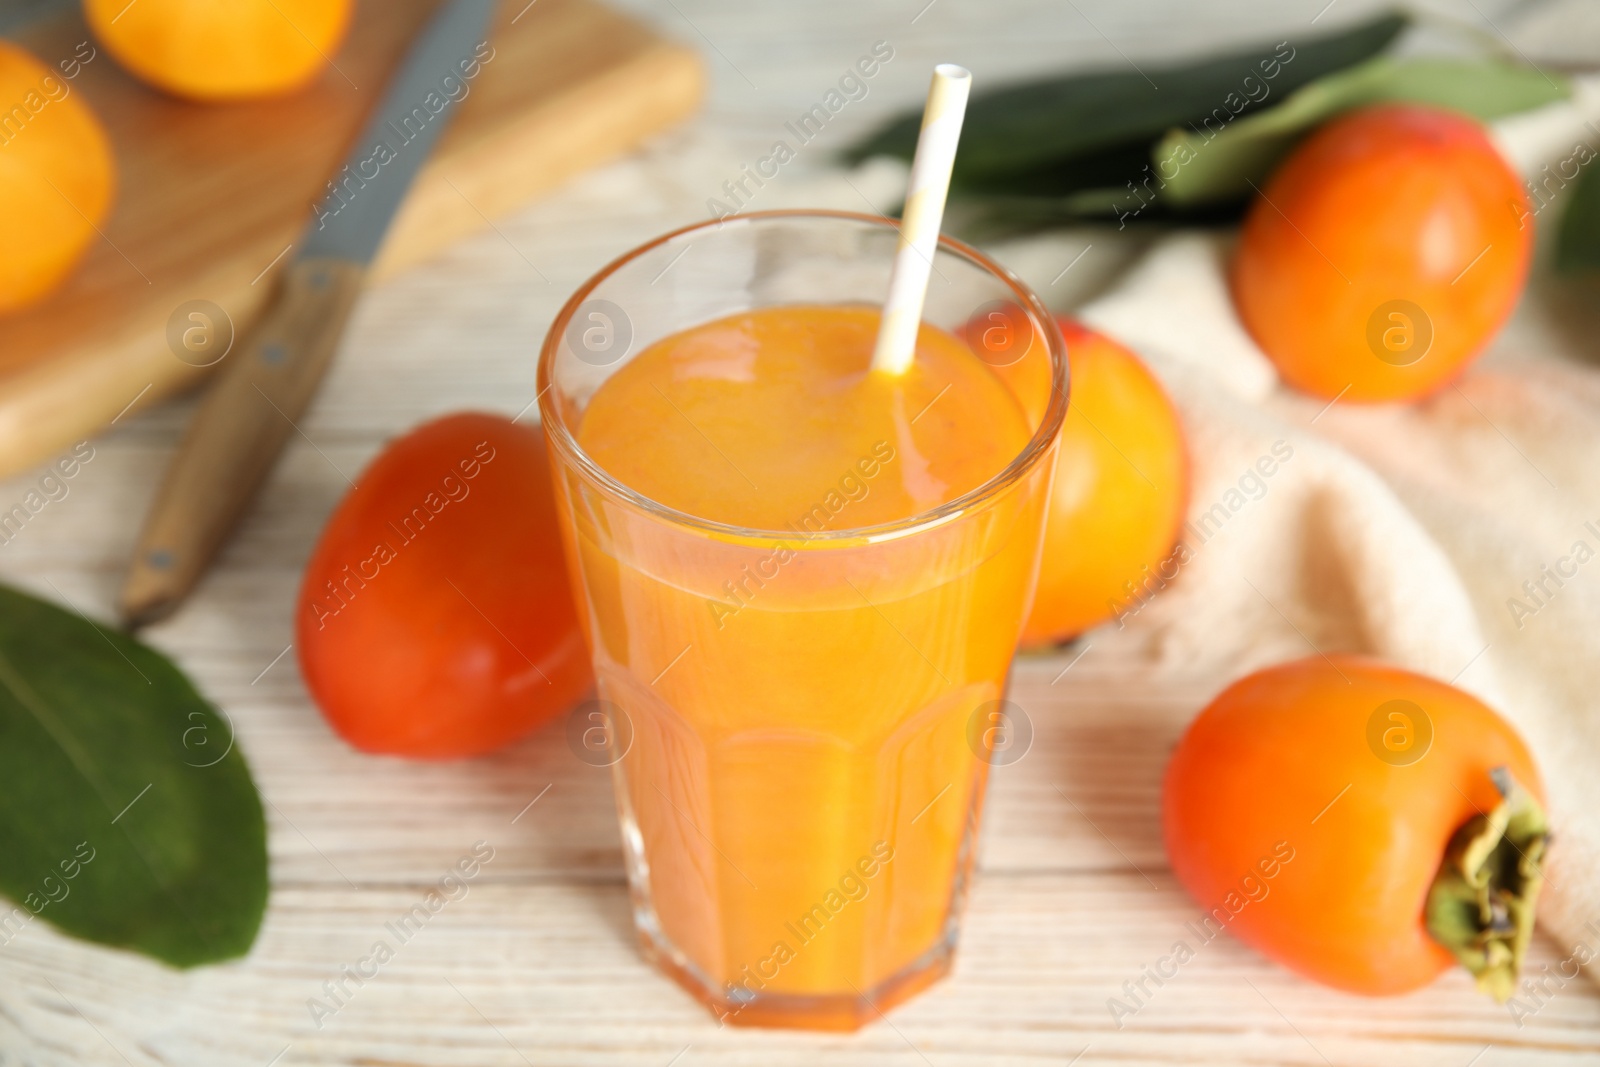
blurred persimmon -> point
(207, 50)
(57, 179)
(1121, 476)
(1005, 337)
(1383, 254)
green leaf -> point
(1578, 241)
(1033, 136)
(127, 814)
(1215, 164)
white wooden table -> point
(537, 963)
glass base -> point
(749, 1003)
(842, 1012)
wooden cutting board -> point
(211, 196)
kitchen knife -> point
(265, 384)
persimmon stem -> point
(1482, 902)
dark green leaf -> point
(1213, 165)
(991, 218)
(127, 814)
(1578, 242)
(1015, 136)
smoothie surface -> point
(766, 418)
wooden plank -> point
(1085, 798)
(211, 195)
(513, 973)
(1073, 896)
(536, 963)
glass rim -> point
(561, 437)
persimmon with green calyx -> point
(1384, 253)
(1362, 825)
(435, 619)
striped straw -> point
(919, 225)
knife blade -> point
(261, 390)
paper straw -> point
(919, 224)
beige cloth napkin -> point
(1405, 532)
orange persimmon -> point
(1122, 483)
(1383, 255)
(211, 50)
(435, 619)
(57, 178)
(1327, 812)
(1122, 472)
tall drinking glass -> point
(802, 717)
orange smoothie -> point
(802, 790)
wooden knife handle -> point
(252, 408)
